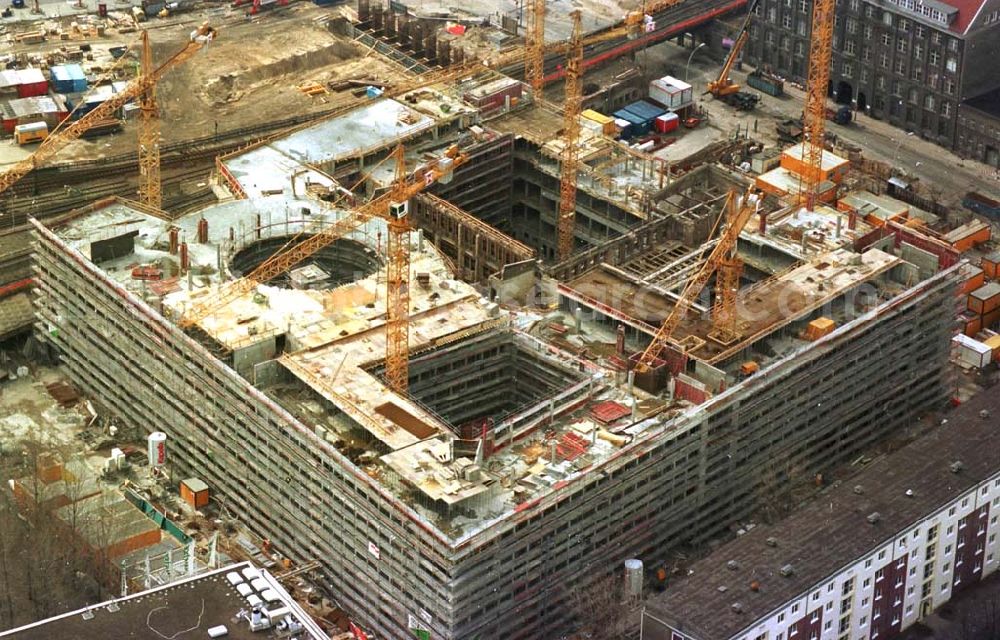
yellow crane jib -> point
(724, 85)
(740, 209)
(58, 141)
(405, 187)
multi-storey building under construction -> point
(523, 463)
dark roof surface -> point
(988, 102)
(184, 610)
(833, 529)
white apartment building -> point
(865, 559)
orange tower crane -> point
(818, 80)
(534, 48)
(390, 206)
(397, 281)
(150, 191)
(729, 269)
(571, 139)
(137, 87)
(740, 211)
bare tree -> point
(979, 614)
(601, 608)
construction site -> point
(505, 303)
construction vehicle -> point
(789, 131)
(738, 211)
(61, 137)
(841, 115)
(742, 100)
(724, 86)
(392, 207)
(639, 22)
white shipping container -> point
(587, 123)
(972, 352)
(670, 92)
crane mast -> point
(571, 137)
(58, 141)
(818, 80)
(534, 50)
(739, 212)
(397, 309)
(150, 192)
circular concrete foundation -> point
(338, 263)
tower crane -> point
(534, 48)
(390, 206)
(137, 87)
(818, 79)
(739, 209)
(150, 192)
(571, 139)
(727, 286)
(724, 85)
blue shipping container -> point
(646, 110)
(638, 126)
(68, 78)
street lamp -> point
(687, 67)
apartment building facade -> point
(910, 62)
(891, 547)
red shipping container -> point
(667, 122)
(31, 83)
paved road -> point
(929, 162)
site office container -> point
(68, 78)
(672, 93)
(606, 124)
(985, 299)
(645, 110)
(994, 344)
(971, 351)
(972, 323)
(667, 123)
(31, 132)
(969, 235)
(31, 83)
(974, 279)
(991, 265)
(636, 125)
